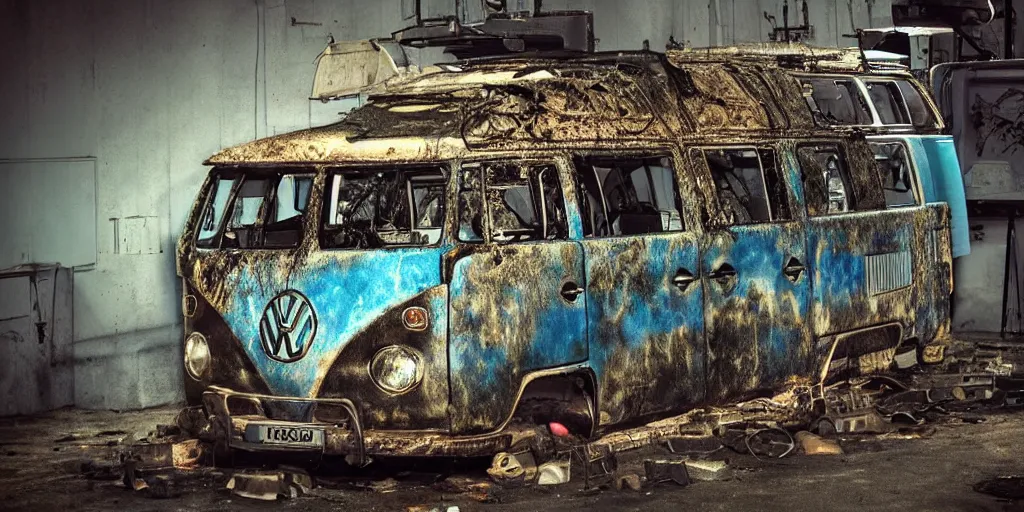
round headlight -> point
(396, 369)
(197, 355)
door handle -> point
(683, 279)
(793, 269)
(571, 290)
(723, 274)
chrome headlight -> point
(197, 355)
(396, 369)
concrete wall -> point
(150, 88)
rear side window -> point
(920, 112)
(899, 102)
(826, 179)
(372, 209)
(832, 184)
(888, 101)
(836, 101)
(514, 201)
(748, 184)
(896, 173)
(628, 196)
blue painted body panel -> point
(507, 319)
(348, 290)
(838, 245)
(646, 335)
(756, 321)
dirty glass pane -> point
(471, 219)
(525, 202)
(623, 196)
(888, 102)
(288, 211)
(836, 101)
(825, 179)
(245, 212)
(775, 184)
(894, 169)
(372, 209)
(292, 196)
(213, 213)
(428, 199)
(920, 112)
(740, 185)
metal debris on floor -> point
(704, 445)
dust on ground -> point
(63, 460)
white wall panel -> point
(48, 212)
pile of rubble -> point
(965, 378)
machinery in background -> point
(478, 28)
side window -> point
(520, 202)
(621, 196)
(920, 112)
(825, 178)
(525, 202)
(471, 206)
(894, 169)
(748, 184)
(369, 209)
(836, 101)
(888, 101)
(214, 212)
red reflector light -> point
(415, 319)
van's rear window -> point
(383, 207)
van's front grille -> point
(887, 272)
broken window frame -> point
(862, 100)
(586, 163)
(438, 173)
(901, 83)
(912, 169)
(844, 176)
(779, 207)
(540, 207)
(240, 177)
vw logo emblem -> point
(287, 327)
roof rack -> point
(786, 55)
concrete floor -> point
(937, 472)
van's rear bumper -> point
(231, 415)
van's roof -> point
(439, 114)
(608, 99)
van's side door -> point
(644, 299)
(515, 291)
(756, 284)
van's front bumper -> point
(234, 415)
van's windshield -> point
(254, 210)
(378, 208)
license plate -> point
(290, 436)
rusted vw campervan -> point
(590, 239)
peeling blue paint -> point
(348, 291)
